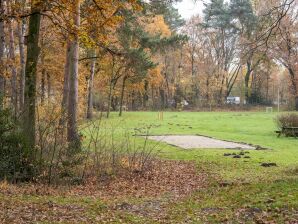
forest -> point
(73, 71)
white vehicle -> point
(184, 103)
(233, 100)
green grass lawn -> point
(251, 193)
(251, 184)
(254, 128)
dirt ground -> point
(199, 142)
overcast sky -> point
(188, 8)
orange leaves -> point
(135, 5)
(157, 26)
(101, 201)
(155, 77)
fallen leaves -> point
(33, 203)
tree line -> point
(77, 56)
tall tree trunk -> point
(207, 90)
(43, 78)
(294, 84)
(111, 87)
(72, 130)
(12, 57)
(64, 103)
(110, 98)
(146, 95)
(90, 89)
(122, 95)
(246, 81)
(2, 47)
(30, 71)
(22, 31)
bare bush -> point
(106, 150)
(55, 158)
(287, 120)
(112, 149)
(286, 123)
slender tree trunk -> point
(110, 98)
(111, 87)
(43, 79)
(146, 94)
(122, 95)
(2, 47)
(90, 90)
(207, 91)
(72, 134)
(14, 93)
(246, 82)
(31, 67)
(294, 84)
(64, 103)
(22, 31)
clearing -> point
(191, 186)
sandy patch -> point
(196, 142)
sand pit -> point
(199, 142)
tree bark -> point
(294, 83)
(122, 95)
(110, 98)
(145, 94)
(72, 130)
(22, 31)
(90, 90)
(30, 72)
(64, 103)
(43, 79)
(246, 81)
(2, 47)
(12, 57)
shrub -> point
(106, 151)
(287, 120)
(15, 164)
(57, 160)
(114, 150)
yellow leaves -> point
(155, 77)
(36, 5)
(86, 40)
(135, 5)
(157, 26)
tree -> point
(284, 49)
(2, 47)
(72, 130)
(90, 86)
(12, 57)
(21, 34)
(30, 71)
